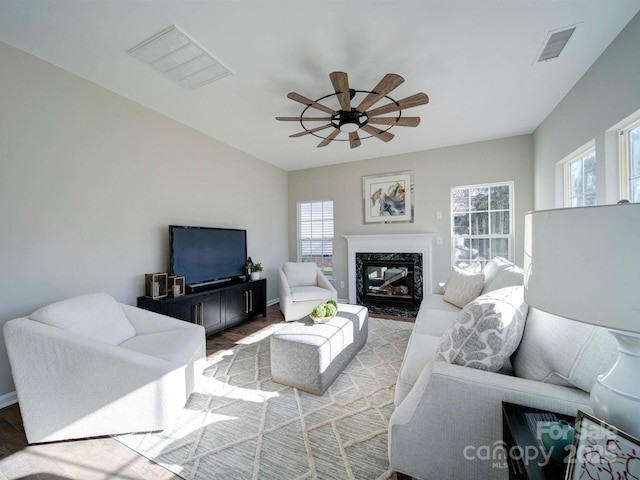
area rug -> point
(239, 424)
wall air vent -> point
(554, 43)
(174, 54)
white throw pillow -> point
(463, 287)
(507, 277)
(486, 332)
(492, 268)
(97, 316)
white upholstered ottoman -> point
(310, 356)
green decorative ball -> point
(319, 311)
(330, 309)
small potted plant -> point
(256, 268)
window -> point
(315, 234)
(580, 179)
(630, 163)
(481, 223)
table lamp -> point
(584, 264)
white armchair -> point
(303, 286)
(89, 366)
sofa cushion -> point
(420, 351)
(435, 315)
(463, 287)
(492, 268)
(299, 274)
(305, 294)
(486, 332)
(510, 276)
(563, 352)
(97, 316)
(175, 346)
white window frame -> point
(577, 156)
(324, 238)
(625, 161)
(509, 237)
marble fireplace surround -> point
(389, 243)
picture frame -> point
(600, 447)
(388, 198)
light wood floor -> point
(98, 458)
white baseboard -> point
(8, 399)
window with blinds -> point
(315, 234)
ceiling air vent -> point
(554, 43)
(174, 54)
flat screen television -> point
(206, 256)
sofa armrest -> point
(454, 412)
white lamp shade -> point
(584, 264)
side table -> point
(526, 456)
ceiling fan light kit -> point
(351, 120)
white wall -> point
(89, 182)
(607, 93)
(435, 172)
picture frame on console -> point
(599, 446)
(388, 198)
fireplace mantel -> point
(389, 243)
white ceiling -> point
(474, 59)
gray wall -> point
(89, 182)
(435, 172)
(607, 93)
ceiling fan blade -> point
(330, 137)
(401, 122)
(354, 139)
(304, 119)
(310, 103)
(376, 132)
(412, 101)
(386, 85)
(313, 130)
(340, 81)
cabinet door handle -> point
(251, 300)
(202, 314)
(246, 301)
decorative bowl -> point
(320, 320)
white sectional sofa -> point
(90, 366)
(447, 422)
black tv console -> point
(216, 309)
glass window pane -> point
(500, 223)
(480, 223)
(461, 224)
(460, 200)
(500, 197)
(462, 253)
(500, 247)
(589, 200)
(481, 250)
(634, 151)
(576, 178)
(590, 173)
(635, 190)
(479, 199)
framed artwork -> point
(601, 451)
(388, 198)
